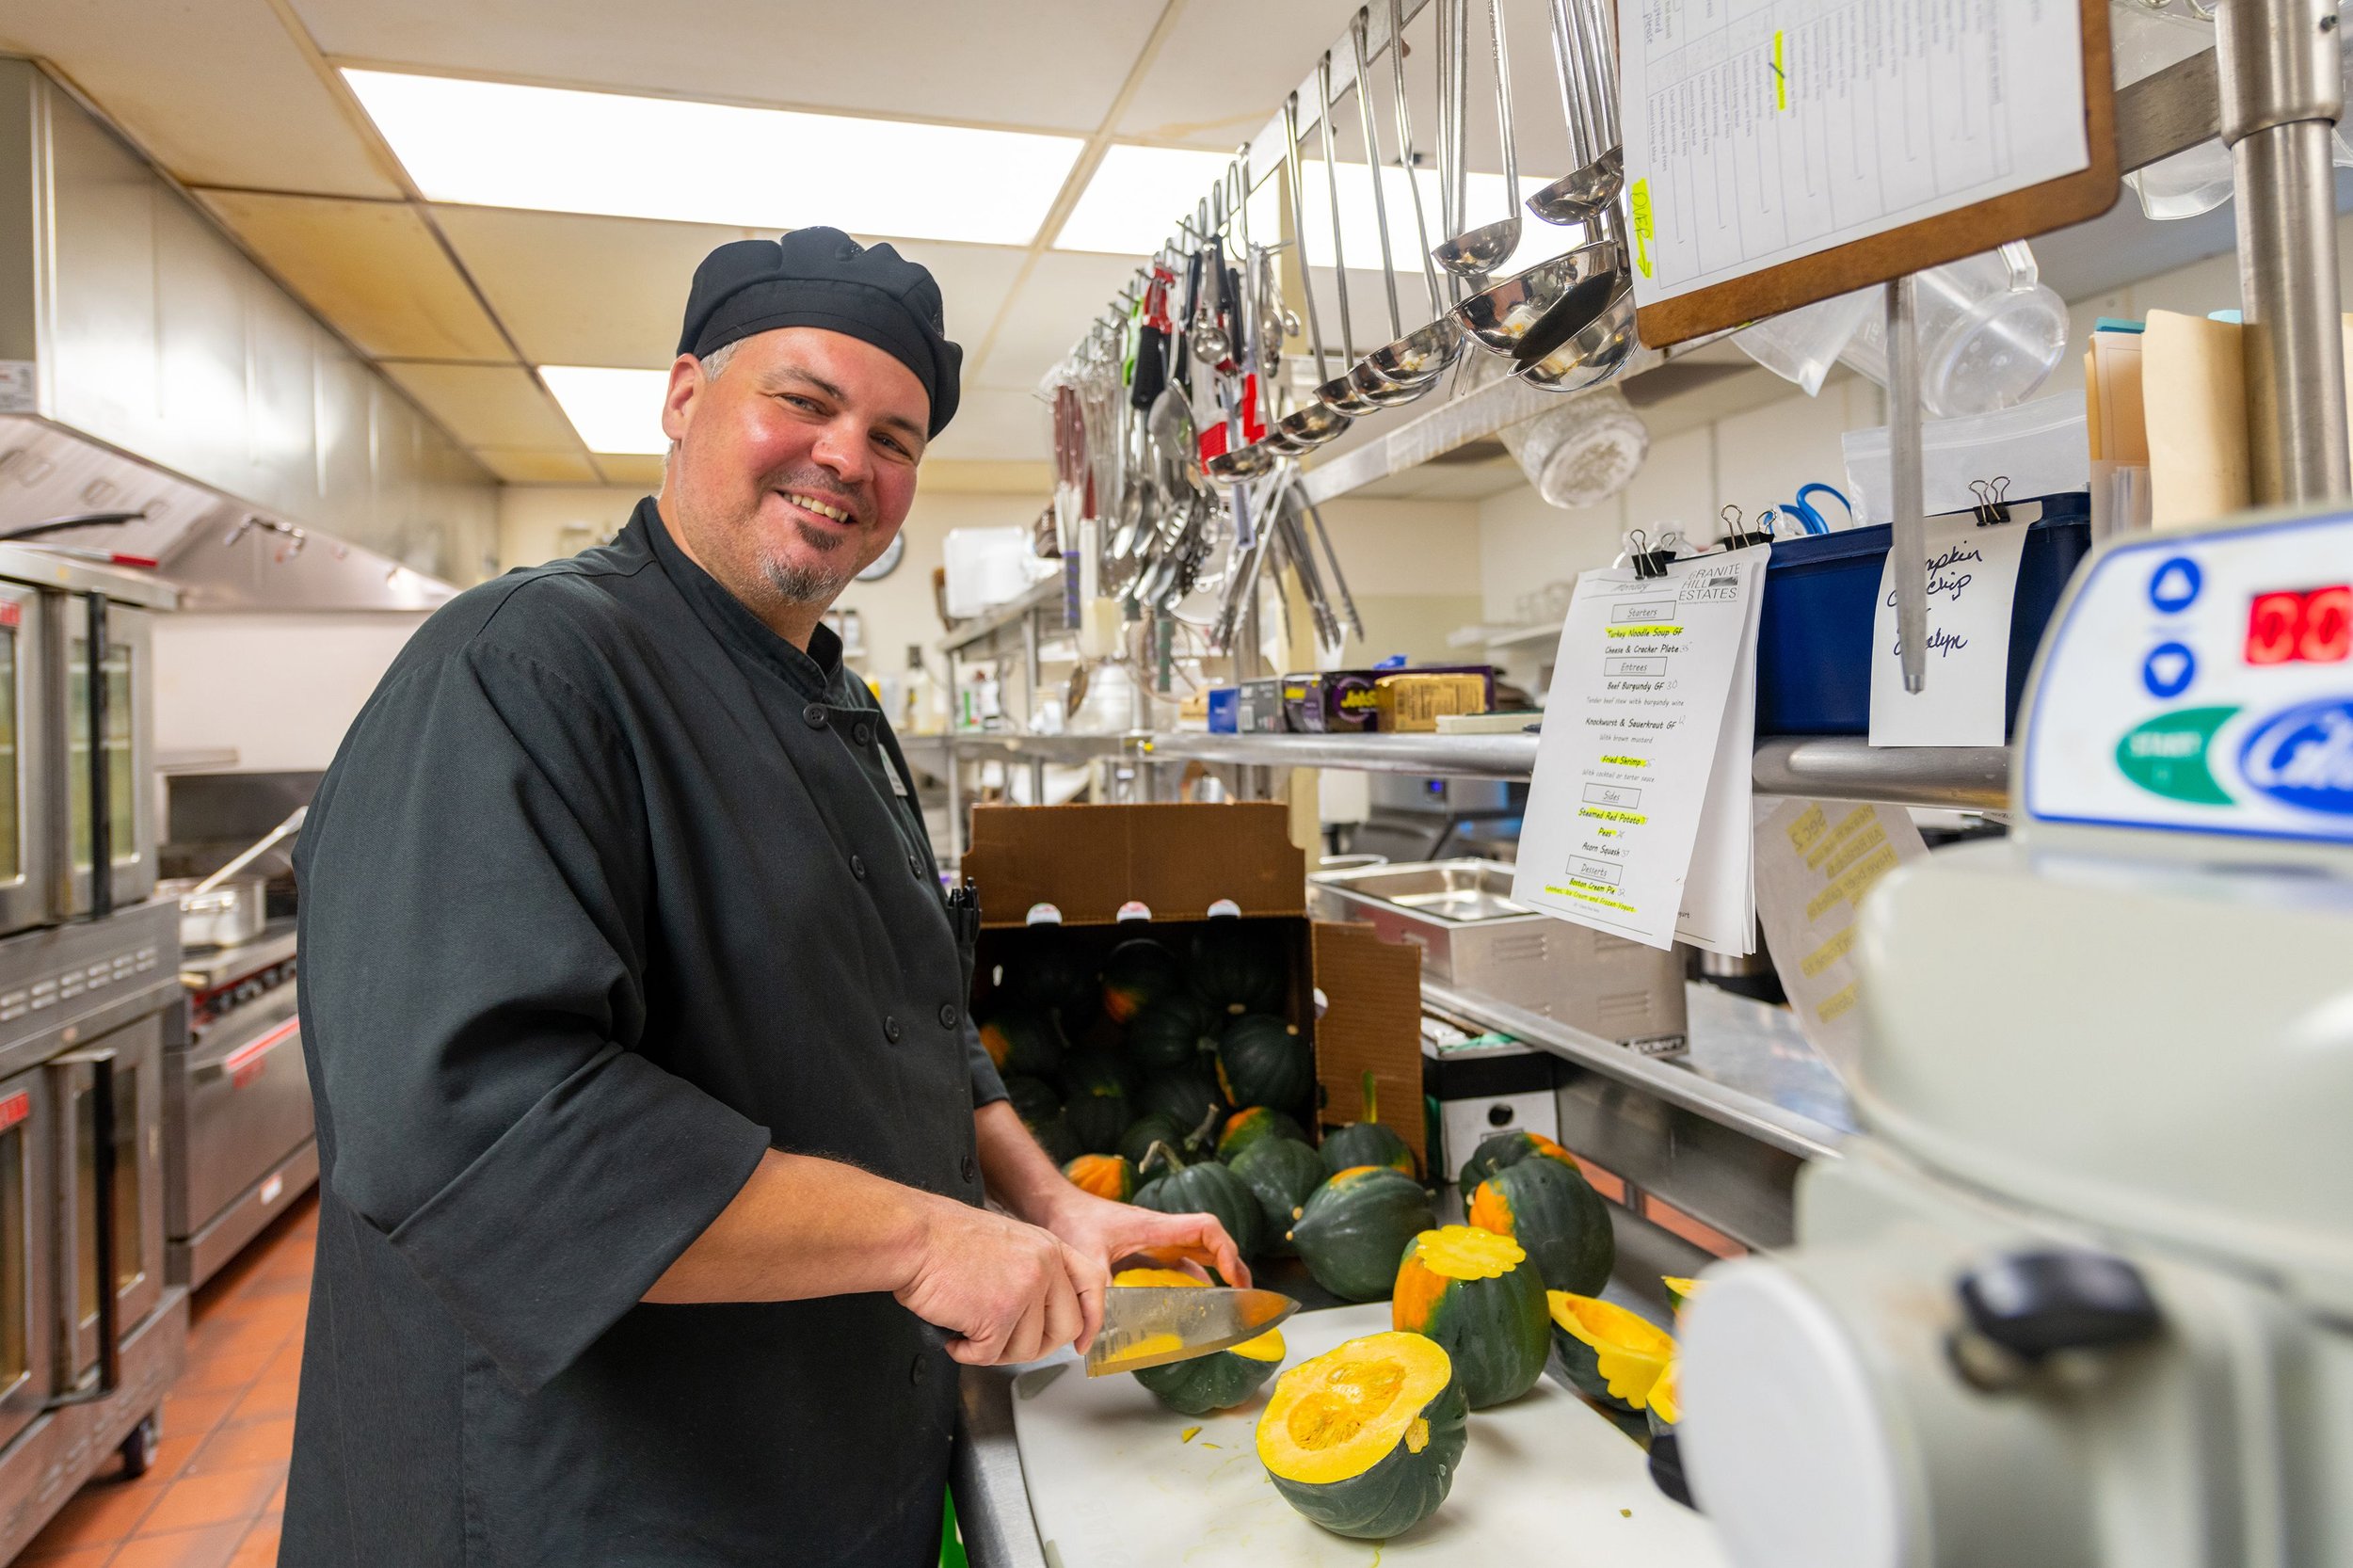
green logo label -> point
(2167, 755)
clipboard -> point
(1929, 242)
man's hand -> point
(1004, 1291)
(1106, 1233)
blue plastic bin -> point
(1225, 708)
(1814, 633)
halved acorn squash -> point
(1364, 1440)
(1679, 1291)
(1354, 1228)
(1664, 1407)
(1608, 1354)
(1548, 1207)
(1479, 1296)
(1218, 1381)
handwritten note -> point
(1971, 581)
(1816, 859)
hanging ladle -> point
(1316, 422)
(1476, 252)
(1339, 393)
(1376, 383)
(1426, 353)
(1583, 50)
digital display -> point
(2311, 627)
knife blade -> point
(1151, 1325)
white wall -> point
(277, 690)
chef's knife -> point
(1151, 1325)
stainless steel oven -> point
(27, 1184)
(110, 1181)
(27, 892)
(110, 813)
(238, 1134)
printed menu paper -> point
(1771, 130)
(1973, 581)
(1814, 860)
(1637, 818)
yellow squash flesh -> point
(1267, 1347)
(1337, 1417)
(1629, 1352)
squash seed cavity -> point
(1354, 1394)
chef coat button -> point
(864, 733)
(814, 715)
(890, 1030)
(948, 1014)
(915, 1369)
(967, 1169)
(858, 866)
(914, 864)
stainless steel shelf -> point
(1453, 756)
(1010, 614)
(1013, 746)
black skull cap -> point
(823, 277)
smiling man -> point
(653, 1133)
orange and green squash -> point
(1025, 1040)
(1139, 973)
(1047, 970)
(1152, 1128)
(1188, 1095)
(1500, 1149)
(1354, 1228)
(1177, 1031)
(1094, 1086)
(1106, 1176)
(1240, 968)
(1207, 1187)
(1202, 1384)
(1364, 1440)
(1607, 1353)
(1263, 1060)
(1249, 1125)
(1475, 1293)
(1284, 1174)
(1549, 1208)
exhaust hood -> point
(147, 368)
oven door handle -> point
(248, 1054)
(102, 1063)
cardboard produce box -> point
(1163, 868)
(1412, 701)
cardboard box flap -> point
(1088, 861)
(1371, 1026)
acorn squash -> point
(1478, 1294)
(1663, 1409)
(1032, 1098)
(1025, 1040)
(1364, 1440)
(1283, 1174)
(1549, 1208)
(1239, 968)
(1608, 1354)
(1354, 1228)
(1188, 1095)
(1048, 970)
(1263, 1060)
(1177, 1031)
(1207, 1187)
(1679, 1291)
(1366, 1143)
(1095, 1099)
(1251, 1124)
(1139, 973)
(1500, 1149)
(1218, 1381)
(1152, 1128)
(1106, 1176)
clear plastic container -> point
(1582, 453)
(1991, 333)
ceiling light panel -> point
(1360, 230)
(499, 144)
(1136, 196)
(616, 412)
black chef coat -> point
(608, 891)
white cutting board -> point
(1545, 1479)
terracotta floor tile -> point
(277, 1500)
(194, 1414)
(225, 1497)
(285, 1362)
(258, 1549)
(269, 1441)
(271, 1397)
(99, 1515)
(209, 1547)
(222, 1375)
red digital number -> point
(2311, 628)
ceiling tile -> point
(1226, 66)
(1049, 64)
(634, 472)
(372, 268)
(1063, 293)
(218, 90)
(583, 291)
(488, 405)
(537, 468)
(995, 425)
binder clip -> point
(1740, 535)
(1649, 561)
(1993, 500)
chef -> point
(653, 1133)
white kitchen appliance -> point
(2086, 1297)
